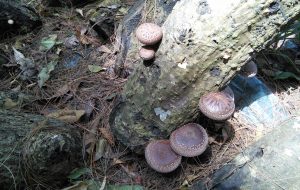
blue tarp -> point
(256, 103)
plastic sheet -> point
(256, 103)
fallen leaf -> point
(71, 42)
(107, 135)
(81, 35)
(22, 60)
(27, 66)
(48, 42)
(89, 138)
(104, 49)
(78, 172)
(100, 149)
(117, 161)
(68, 116)
(44, 75)
(95, 68)
(9, 103)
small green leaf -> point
(95, 68)
(284, 75)
(124, 187)
(77, 173)
(48, 42)
(44, 75)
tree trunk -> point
(36, 151)
(204, 44)
(16, 18)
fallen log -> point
(205, 43)
(36, 151)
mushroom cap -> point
(217, 105)
(249, 69)
(147, 53)
(149, 33)
(161, 157)
(189, 140)
(228, 91)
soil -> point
(77, 88)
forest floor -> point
(73, 80)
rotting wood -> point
(204, 44)
(36, 151)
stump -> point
(36, 151)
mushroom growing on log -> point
(249, 69)
(190, 61)
(149, 33)
(147, 53)
(189, 140)
(161, 157)
(217, 105)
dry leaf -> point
(68, 116)
(107, 135)
(104, 49)
(65, 89)
(100, 149)
(117, 161)
(84, 39)
(90, 137)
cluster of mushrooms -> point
(150, 35)
(190, 140)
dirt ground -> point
(80, 87)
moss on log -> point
(205, 43)
(35, 151)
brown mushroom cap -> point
(249, 69)
(217, 105)
(147, 53)
(160, 156)
(189, 140)
(149, 33)
(228, 91)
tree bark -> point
(16, 18)
(36, 151)
(204, 44)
